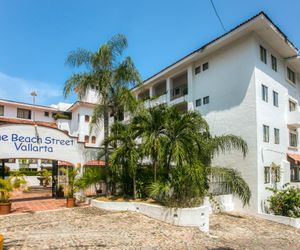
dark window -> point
(263, 54)
(267, 175)
(87, 118)
(276, 136)
(275, 98)
(205, 100)
(293, 139)
(264, 93)
(46, 114)
(94, 139)
(292, 106)
(274, 63)
(205, 66)
(198, 102)
(86, 139)
(266, 133)
(24, 113)
(1, 110)
(197, 70)
(291, 75)
(295, 173)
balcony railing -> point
(179, 91)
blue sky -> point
(36, 35)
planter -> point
(190, 217)
(71, 202)
(5, 208)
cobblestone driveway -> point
(92, 228)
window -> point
(295, 173)
(86, 139)
(293, 139)
(205, 66)
(266, 133)
(94, 139)
(46, 114)
(277, 174)
(276, 136)
(197, 70)
(205, 100)
(1, 110)
(267, 175)
(87, 118)
(263, 54)
(291, 75)
(24, 113)
(198, 102)
(264, 93)
(292, 106)
(274, 63)
(275, 98)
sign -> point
(38, 142)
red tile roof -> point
(64, 163)
(295, 157)
(30, 122)
(98, 163)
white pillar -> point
(190, 98)
(168, 89)
(151, 91)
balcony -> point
(155, 101)
(294, 119)
(179, 91)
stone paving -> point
(93, 228)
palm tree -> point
(110, 74)
(187, 149)
(149, 125)
(125, 157)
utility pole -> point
(33, 94)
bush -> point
(285, 202)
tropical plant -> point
(47, 176)
(74, 183)
(127, 154)
(6, 188)
(17, 179)
(110, 75)
(92, 176)
(285, 202)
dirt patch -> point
(125, 199)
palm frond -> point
(79, 57)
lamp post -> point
(33, 94)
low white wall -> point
(193, 217)
(224, 201)
(32, 180)
(294, 222)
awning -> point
(294, 157)
(95, 163)
(64, 164)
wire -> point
(212, 3)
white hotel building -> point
(245, 83)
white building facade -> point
(245, 83)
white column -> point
(151, 91)
(168, 89)
(190, 98)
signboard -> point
(28, 141)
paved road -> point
(92, 228)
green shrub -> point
(285, 202)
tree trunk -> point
(154, 169)
(106, 153)
(134, 187)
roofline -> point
(28, 104)
(80, 102)
(262, 13)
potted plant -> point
(72, 185)
(5, 191)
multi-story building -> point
(245, 82)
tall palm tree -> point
(127, 154)
(149, 125)
(110, 74)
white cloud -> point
(19, 89)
